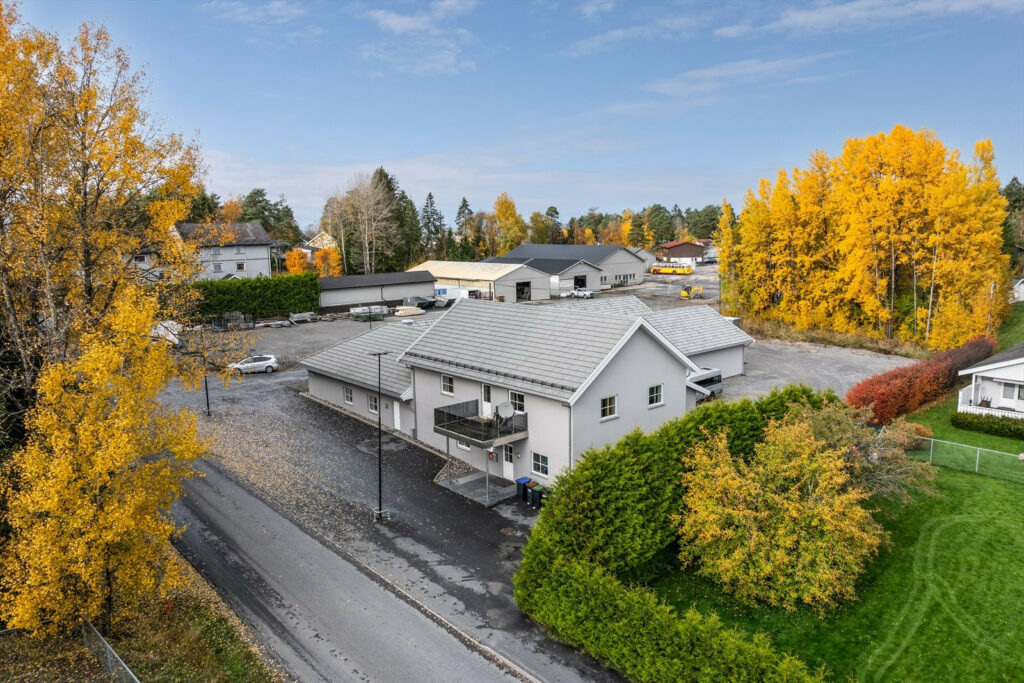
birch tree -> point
(369, 208)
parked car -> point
(577, 293)
(254, 364)
(710, 379)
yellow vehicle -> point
(692, 292)
(672, 270)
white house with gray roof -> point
(541, 384)
(229, 250)
(997, 385)
(345, 375)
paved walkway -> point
(481, 488)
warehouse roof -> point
(350, 361)
(375, 280)
(551, 266)
(471, 270)
(593, 253)
(697, 329)
(543, 350)
(225, 234)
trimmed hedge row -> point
(609, 524)
(261, 297)
(989, 424)
(902, 390)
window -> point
(463, 445)
(654, 397)
(215, 251)
(518, 401)
(607, 408)
(487, 393)
(507, 453)
(239, 249)
(348, 395)
(217, 267)
(540, 464)
(140, 258)
(447, 385)
(240, 265)
(371, 403)
(1020, 391)
(1008, 390)
(604, 279)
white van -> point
(709, 379)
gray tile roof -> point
(1010, 354)
(551, 266)
(594, 253)
(544, 350)
(697, 329)
(225, 234)
(375, 280)
(350, 361)
(619, 305)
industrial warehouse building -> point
(618, 265)
(510, 282)
(342, 293)
(565, 274)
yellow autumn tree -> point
(326, 262)
(895, 238)
(509, 223)
(95, 482)
(725, 242)
(295, 261)
(588, 236)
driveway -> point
(319, 469)
(770, 364)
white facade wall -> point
(729, 361)
(540, 285)
(621, 268)
(566, 281)
(354, 296)
(394, 413)
(254, 260)
(990, 385)
(640, 364)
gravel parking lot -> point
(770, 364)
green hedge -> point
(608, 524)
(261, 297)
(989, 424)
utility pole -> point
(379, 514)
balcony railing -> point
(995, 412)
(463, 421)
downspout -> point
(415, 409)
(570, 438)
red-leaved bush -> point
(900, 391)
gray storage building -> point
(342, 293)
(619, 266)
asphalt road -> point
(319, 469)
(324, 619)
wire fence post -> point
(931, 450)
(977, 461)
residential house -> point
(346, 291)
(618, 264)
(533, 387)
(478, 280)
(319, 241)
(344, 376)
(230, 250)
(997, 385)
(686, 253)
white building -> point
(649, 258)
(229, 250)
(498, 281)
(565, 274)
(618, 265)
(997, 385)
(341, 293)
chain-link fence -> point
(111, 662)
(959, 456)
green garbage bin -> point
(538, 496)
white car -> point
(254, 364)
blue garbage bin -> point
(521, 483)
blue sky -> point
(575, 103)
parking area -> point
(771, 364)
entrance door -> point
(522, 291)
(507, 462)
(485, 401)
(579, 281)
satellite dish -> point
(505, 410)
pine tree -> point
(432, 228)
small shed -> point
(510, 282)
(390, 289)
(689, 253)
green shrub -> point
(631, 629)
(989, 424)
(261, 297)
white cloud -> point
(658, 29)
(826, 16)
(273, 12)
(424, 43)
(592, 8)
(708, 82)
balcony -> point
(964, 405)
(462, 421)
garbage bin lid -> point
(540, 488)
(522, 480)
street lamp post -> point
(379, 513)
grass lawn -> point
(1012, 330)
(943, 602)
